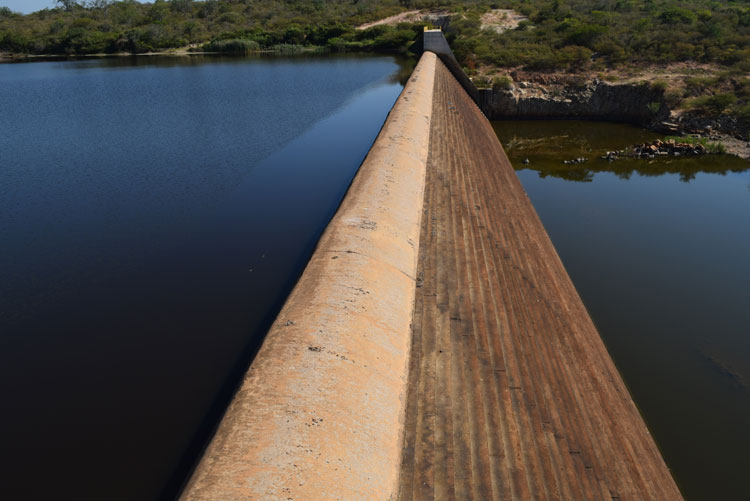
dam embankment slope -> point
(512, 393)
(319, 414)
(435, 347)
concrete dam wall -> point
(434, 347)
(319, 414)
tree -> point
(67, 5)
(98, 4)
(181, 6)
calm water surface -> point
(154, 213)
(660, 252)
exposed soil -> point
(404, 17)
(410, 16)
(501, 20)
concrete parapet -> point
(319, 414)
(434, 41)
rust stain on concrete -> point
(320, 412)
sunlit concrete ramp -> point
(435, 347)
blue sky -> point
(27, 6)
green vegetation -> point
(233, 45)
(564, 34)
(502, 83)
(711, 147)
(238, 26)
(558, 35)
(714, 104)
(620, 38)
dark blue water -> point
(154, 214)
(660, 253)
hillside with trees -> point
(696, 51)
(107, 26)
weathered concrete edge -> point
(320, 412)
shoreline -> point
(9, 57)
(733, 144)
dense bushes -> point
(559, 34)
(234, 46)
(126, 25)
(616, 32)
(715, 104)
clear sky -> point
(27, 6)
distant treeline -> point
(558, 35)
(578, 36)
(107, 26)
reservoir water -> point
(154, 214)
(660, 252)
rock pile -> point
(578, 160)
(613, 155)
(670, 147)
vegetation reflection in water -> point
(547, 144)
(658, 251)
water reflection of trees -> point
(686, 168)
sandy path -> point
(404, 17)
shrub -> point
(481, 82)
(716, 103)
(677, 15)
(695, 86)
(710, 146)
(585, 35)
(653, 107)
(659, 85)
(502, 83)
(233, 46)
(394, 40)
(743, 115)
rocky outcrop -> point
(667, 148)
(546, 97)
(691, 123)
